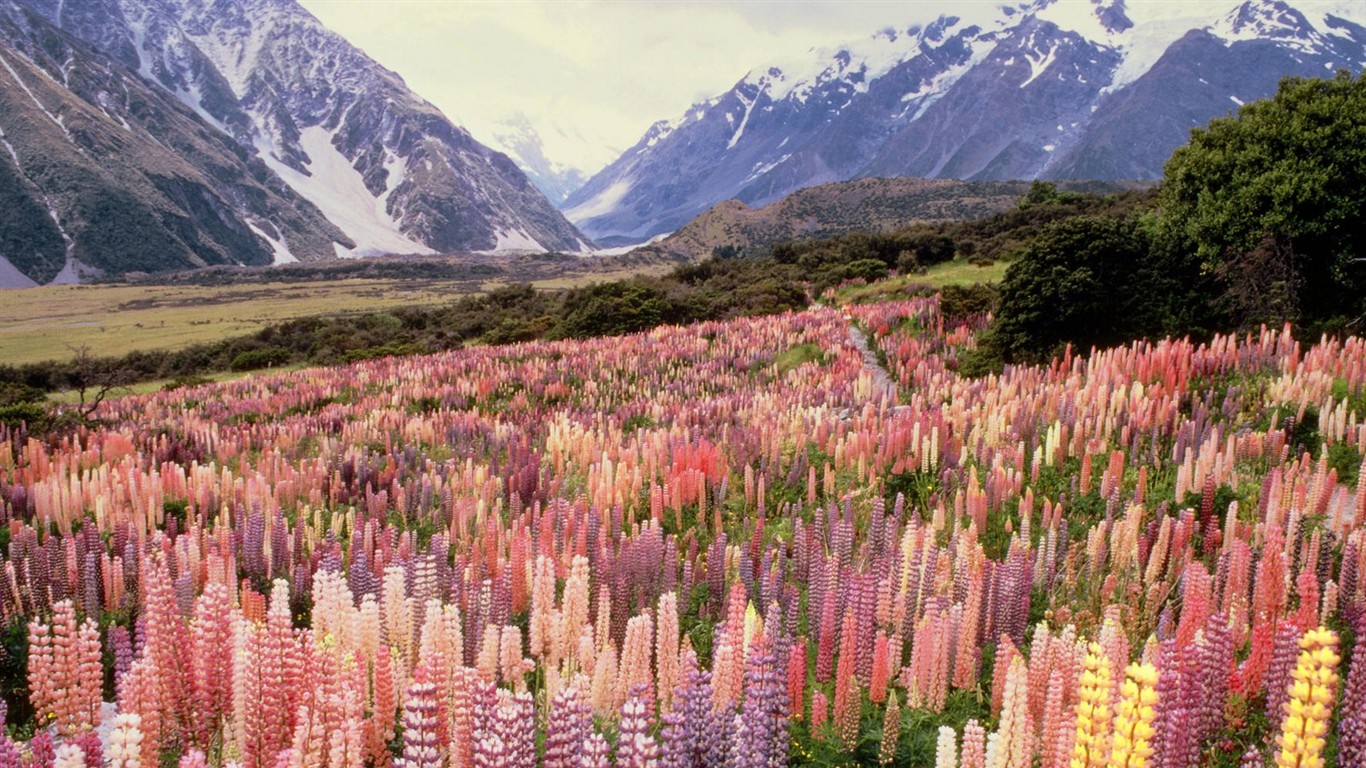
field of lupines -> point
(722, 545)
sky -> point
(591, 77)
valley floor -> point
(44, 323)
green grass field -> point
(956, 272)
(44, 323)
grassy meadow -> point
(44, 323)
(956, 272)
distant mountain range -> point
(145, 135)
(1051, 89)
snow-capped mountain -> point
(102, 172)
(525, 144)
(381, 170)
(1102, 89)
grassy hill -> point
(861, 205)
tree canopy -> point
(1079, 281)
(1270, 202)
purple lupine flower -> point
(761, 738)
(1181, 747)
(512, 720)
(503, 737)
(571, 720)
(1215, 663)
(673, 742)
(90, 582)
(1352, 726)
(1285, 651)
(704, 728)
(121, 646)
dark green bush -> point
(267, 357)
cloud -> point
(592, 76)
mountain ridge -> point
(1077, 82)
(343, 159)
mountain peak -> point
(1088, 88)
(331, 124)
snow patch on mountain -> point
(600, 203)
(740, 131)
(279, 248)
(516, 240)
(336, 187)
(1040, 64)
(235, 52)
(11, 277)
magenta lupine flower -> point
(91, 748)
(636, 748)
(9, 753)
(421, 747)
(42, 752)
(596, 753)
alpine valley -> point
(149, 135)
(1046, 89)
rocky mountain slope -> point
(162, 134)
(103, 173)
(1053, 89)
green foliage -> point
(1270, 203)
(1079, 282)
(922, 248)
(28, 236)
(865, 269)
(383, 350)
(182, 382)
(613, 309)
(14, 671)
(22, 404)
(957, 302)
(1046, 193)
(713, 289)
(265, 357)
(1346, 459)
(19, 393)
(797, 356)
(637, 422)
(1303, 433)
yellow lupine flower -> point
(1091, 745)
(1131, 746)
(1313, 689)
